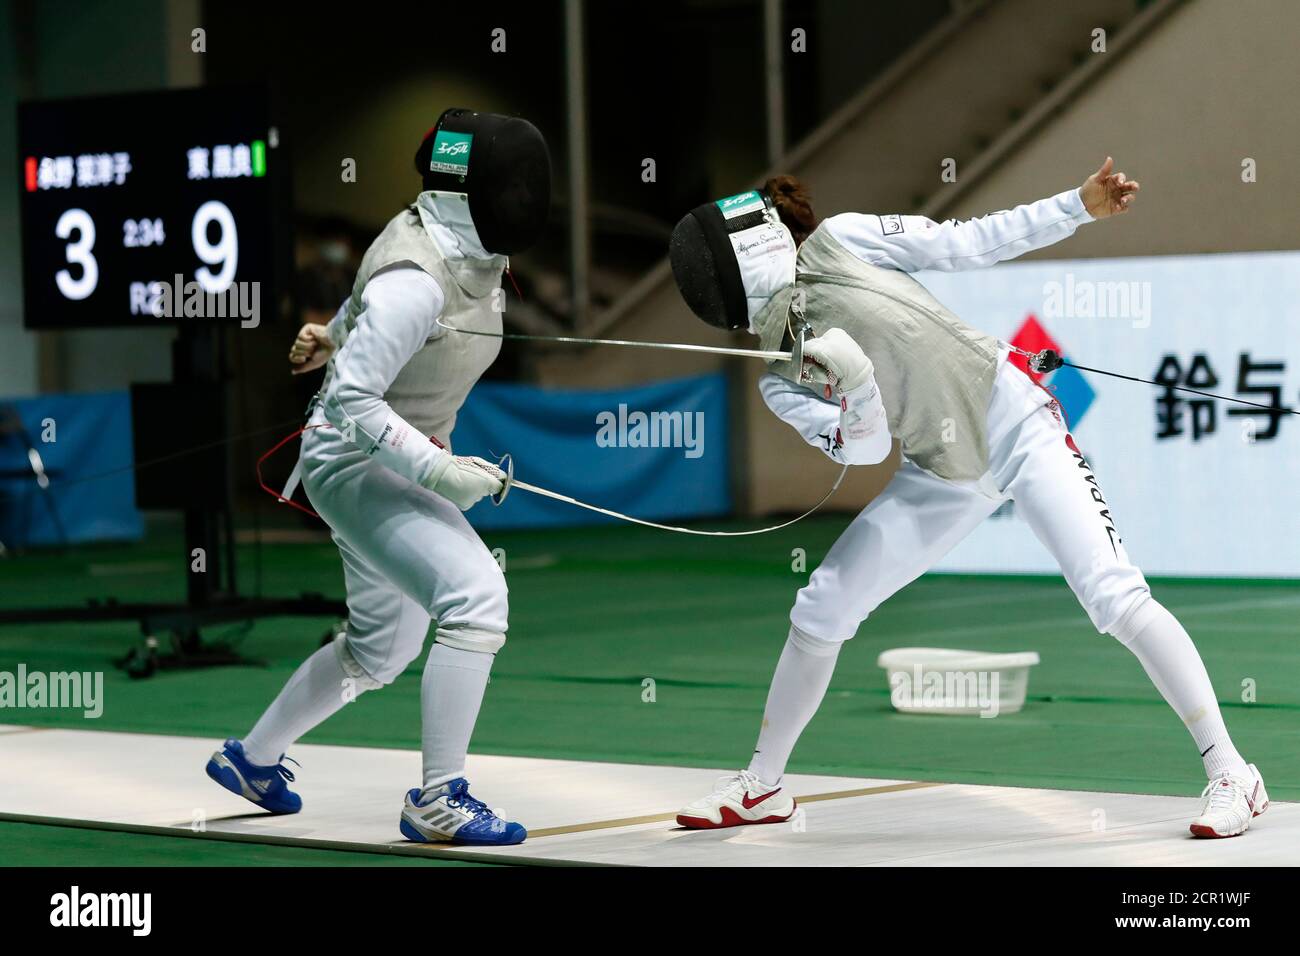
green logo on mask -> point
(740, 204)
(451, 153)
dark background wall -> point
(683, 87)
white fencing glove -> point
(464, 480)
(835, 359)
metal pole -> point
(774, 63)
(579, 227)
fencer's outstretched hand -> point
(1106, 193)
(464, 480)
(834, 359)
(311, 349)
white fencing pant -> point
(918, 518)
(409, 557)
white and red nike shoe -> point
(738, 800)
(1231, 802)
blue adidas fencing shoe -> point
(451, 815)
(265, 786)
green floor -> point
(597, 613)
(27, 844)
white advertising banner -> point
(1197, 486)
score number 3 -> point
(78, 254)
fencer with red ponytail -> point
(794, 204)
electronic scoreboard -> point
(150, 208)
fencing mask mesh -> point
(729, 256)
(502, 164)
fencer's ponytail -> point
(794, 204)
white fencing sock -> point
(802, 675)
(450, 695)
(1174, 666)
(318, 689)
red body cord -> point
(284, 441)
(274, 448)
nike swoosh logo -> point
(1208, 749)
(749, 803)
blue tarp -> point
(91, 436)
(657, 451)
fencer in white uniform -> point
(377, 465)
(889, 361)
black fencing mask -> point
(730, 256)
(502, 164)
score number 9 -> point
(223, 252)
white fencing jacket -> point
(398, 377)
(853, 430)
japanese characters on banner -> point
(1197, 486)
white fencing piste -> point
(589, 812)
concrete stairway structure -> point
(986, 81)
